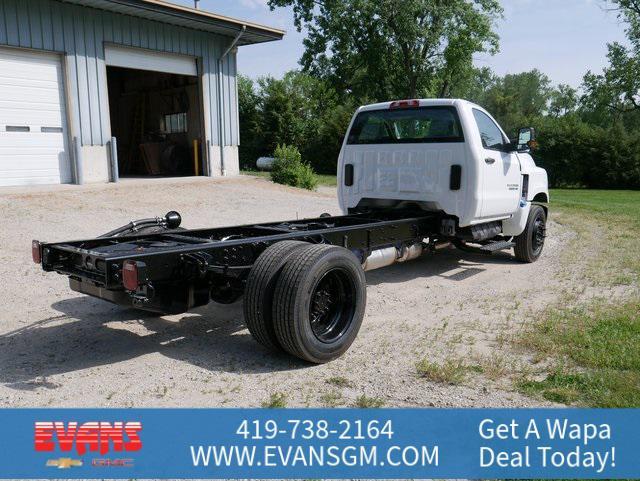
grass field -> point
(594, 347)
(608, 221)
(596, 353)
(621, 204)
(327, 180)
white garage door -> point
(141, 59)
(33, 131)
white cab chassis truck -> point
(450, 157)
(413, 176)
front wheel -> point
(319, 302)
(530, 243)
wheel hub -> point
(322, 303)
(332, 306)
(539, 234)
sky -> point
(562, 38)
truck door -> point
(501, 169)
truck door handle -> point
(348, 175)
(490, 160)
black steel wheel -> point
(332, 305)
(258, 293)
(530, 243)
(319, 302)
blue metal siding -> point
(80, 34)
(11, 22)
(3, 25)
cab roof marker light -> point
(404, 104)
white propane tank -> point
(264, 163)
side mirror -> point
(527, 139)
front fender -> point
(518, 221)
(538, 186)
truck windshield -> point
(402, 126)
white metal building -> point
(158, 77)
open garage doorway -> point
(156, 119)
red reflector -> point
(130, 275)
(404, 104)
(35, 252)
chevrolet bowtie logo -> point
(64, 463)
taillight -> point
(130, 275)
(404, 104)
(36, 255)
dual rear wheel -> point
(306, 299)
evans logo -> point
(94, 436)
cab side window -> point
(490, 133)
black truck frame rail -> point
(174, 270)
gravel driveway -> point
(58, 348)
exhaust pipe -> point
(390, 255)
(441, 245)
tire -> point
(530, 243)
(258, 294)
(329, 281)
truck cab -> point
(441, 155)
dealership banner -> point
(320, 443)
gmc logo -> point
(92, 436)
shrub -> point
(289, 169)
(577, 154)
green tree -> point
(563, 100)
(616, 91)
(323, 148)
(517, 99)
(382, 49)
(250, 123)
(300, 110)
(579, 154)
(476, 86)
(283, 111)
(297, 110)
